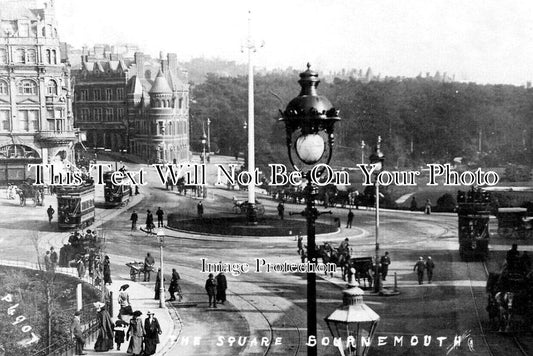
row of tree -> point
(420, 120)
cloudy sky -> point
(486, 41)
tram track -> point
(490, 346)
(273, 333)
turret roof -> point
(160, 85)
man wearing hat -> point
(419, 267)
(152, 331)
(211, 289)
(77, 333)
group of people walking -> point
(424, 265)
(216, 289)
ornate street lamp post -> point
(377, 159)
(353, 323)
(310, 118)
(203, 140)
(161, 239)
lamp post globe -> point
(353, 323)
(161, 239)
(309, 124)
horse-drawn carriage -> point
(514, 223)
(360, 267)
(241, 207)
(510, 300)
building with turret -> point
(138, 105)
(36, 121)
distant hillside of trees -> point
(198, 68)
(420, 121)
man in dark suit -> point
(77, 334)
(160, 215)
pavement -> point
(31, 235)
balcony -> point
(57, 137)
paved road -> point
(274, 305)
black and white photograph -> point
(322, 178)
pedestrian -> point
(174, 286)
(414, 205)
(222, 285)
(160, 215)
(136, 190)
(149, 221)
(47, 262)
(77, 333)
(430, 265)
(419, 268)
(200, 209)
(300, 244)
(281, 210)
(107, 270)
(104, 341)
(50, 211)
(303, 256)
(344, 247)
(152, 331)
(427, 209)
(80, 266)
(157, 287)
(120, 332)
(211, 288)
(135, 334)
(134, 217)
(124, 301)
(350, 219)
(54, 258)
(149, 263)
(385, 262)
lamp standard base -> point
(251, 213)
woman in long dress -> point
(104, 342)
(152, 330)
(135, 334)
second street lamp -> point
(203, 189)
(311, 118)
(377, 159)
(161, 238)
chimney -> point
(172, 63)
(139, 61)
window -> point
(97, 95)
(98, 114)
(20, 56)
(120, 93)
(84, 114)
(31, 56)
(4, 120)
(27, 87)
(4, 90)
(54, 57)
(108, 114)
(28, 119)
(161, 128)
(120, 113)
(3, 56)
(52, 88)
(84, 95)
(180, 103)
(108, 94)
(48, 56)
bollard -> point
(395, 282)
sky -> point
(483, 41)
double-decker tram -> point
(75, 205)
(115, 195)
(473, 212)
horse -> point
(505, 305)
(332, 255)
